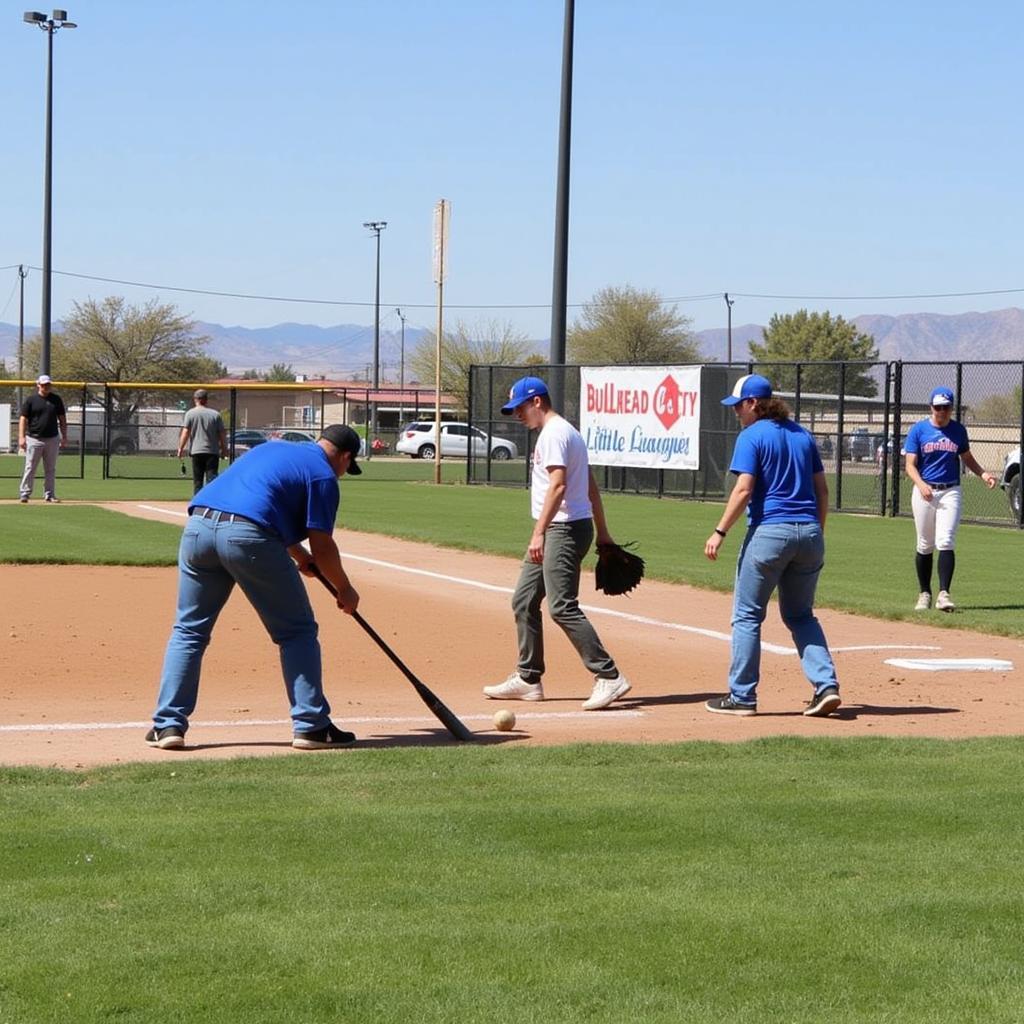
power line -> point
(880, 298)
(338, 302)
(705, 297)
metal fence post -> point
(839, 436)
(887, 438)
(108, 412)
(1020, 442)
(897, 392)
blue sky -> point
(794, 149)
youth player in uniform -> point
(935, 448)
(566, 505)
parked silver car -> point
(417, 440)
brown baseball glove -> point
(618, 570)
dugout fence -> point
(859, 413)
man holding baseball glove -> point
(567, 508)
(247, 527)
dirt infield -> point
(78, 691)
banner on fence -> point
(647, 417)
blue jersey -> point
(287, 487)
(783, 458)
(938, 450)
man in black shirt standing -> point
(41, 416)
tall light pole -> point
(376, 226)
(49, 25)
(728, 306)
(559, 290)
(401, 372)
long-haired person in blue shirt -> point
(780, 483)
(935, 448)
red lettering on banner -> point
(611, 400)
(667, 403)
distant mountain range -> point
(930, 337)
(346, 350)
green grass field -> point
(869, 570)
(780, 880)
(803, 881)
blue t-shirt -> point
(938, 450)
(288, 487)
(783, 458)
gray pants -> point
(558, 578)
(46, 449)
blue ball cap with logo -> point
(522, 391)
(942, 396)
(751, 386)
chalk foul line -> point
(594, 716)
(643, 620)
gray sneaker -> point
(171, 738)
(823, 703)
(924, 601)
(727, 706)
(515, 688)
(944, 603)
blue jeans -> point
(789, 556)
(214, 555)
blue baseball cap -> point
(941, 396)
(522, 391)
(751, 386)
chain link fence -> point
(132, 430)
(859, 412)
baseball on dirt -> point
(504, 720)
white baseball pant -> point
(936, 520)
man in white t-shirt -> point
(566, 507)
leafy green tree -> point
(279, 373)
(7, 394)
(112, 341)
(628, 326)
(816, 337)
(251, 375)
(999, 409)
(492, 342)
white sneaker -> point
(605, 691)
(924, 601)
(515, 688)
(944, 602)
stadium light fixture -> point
(49, 25)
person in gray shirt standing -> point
(204, 436)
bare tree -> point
(491, 342)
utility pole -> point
(376, 226)
(401, 373)
(22, 274)
(728, 306)
(560, 284)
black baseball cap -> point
(345, 439)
